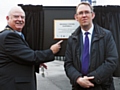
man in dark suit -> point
(91, 55)
(18, 63)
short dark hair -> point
(85, 3)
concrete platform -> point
(54, 78)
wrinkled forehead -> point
(17, 13)
(16, 10)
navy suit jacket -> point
(18, 62)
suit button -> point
(98, 81)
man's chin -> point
(19, 29)
(84, 25)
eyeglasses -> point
(85, 12)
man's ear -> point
(93, 15)
(76, 18)
(7, 17)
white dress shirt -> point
(89, 35)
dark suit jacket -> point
(103, 59)
(18, 62)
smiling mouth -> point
(20, 23)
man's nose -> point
(20, 18)
(84, 14)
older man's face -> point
(16, 20)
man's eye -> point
(23, 17)
(16, 16)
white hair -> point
(15, 8)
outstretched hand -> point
(56, 47)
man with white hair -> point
(18, 62)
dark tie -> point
(85, 55)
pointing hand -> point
(56, 47)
